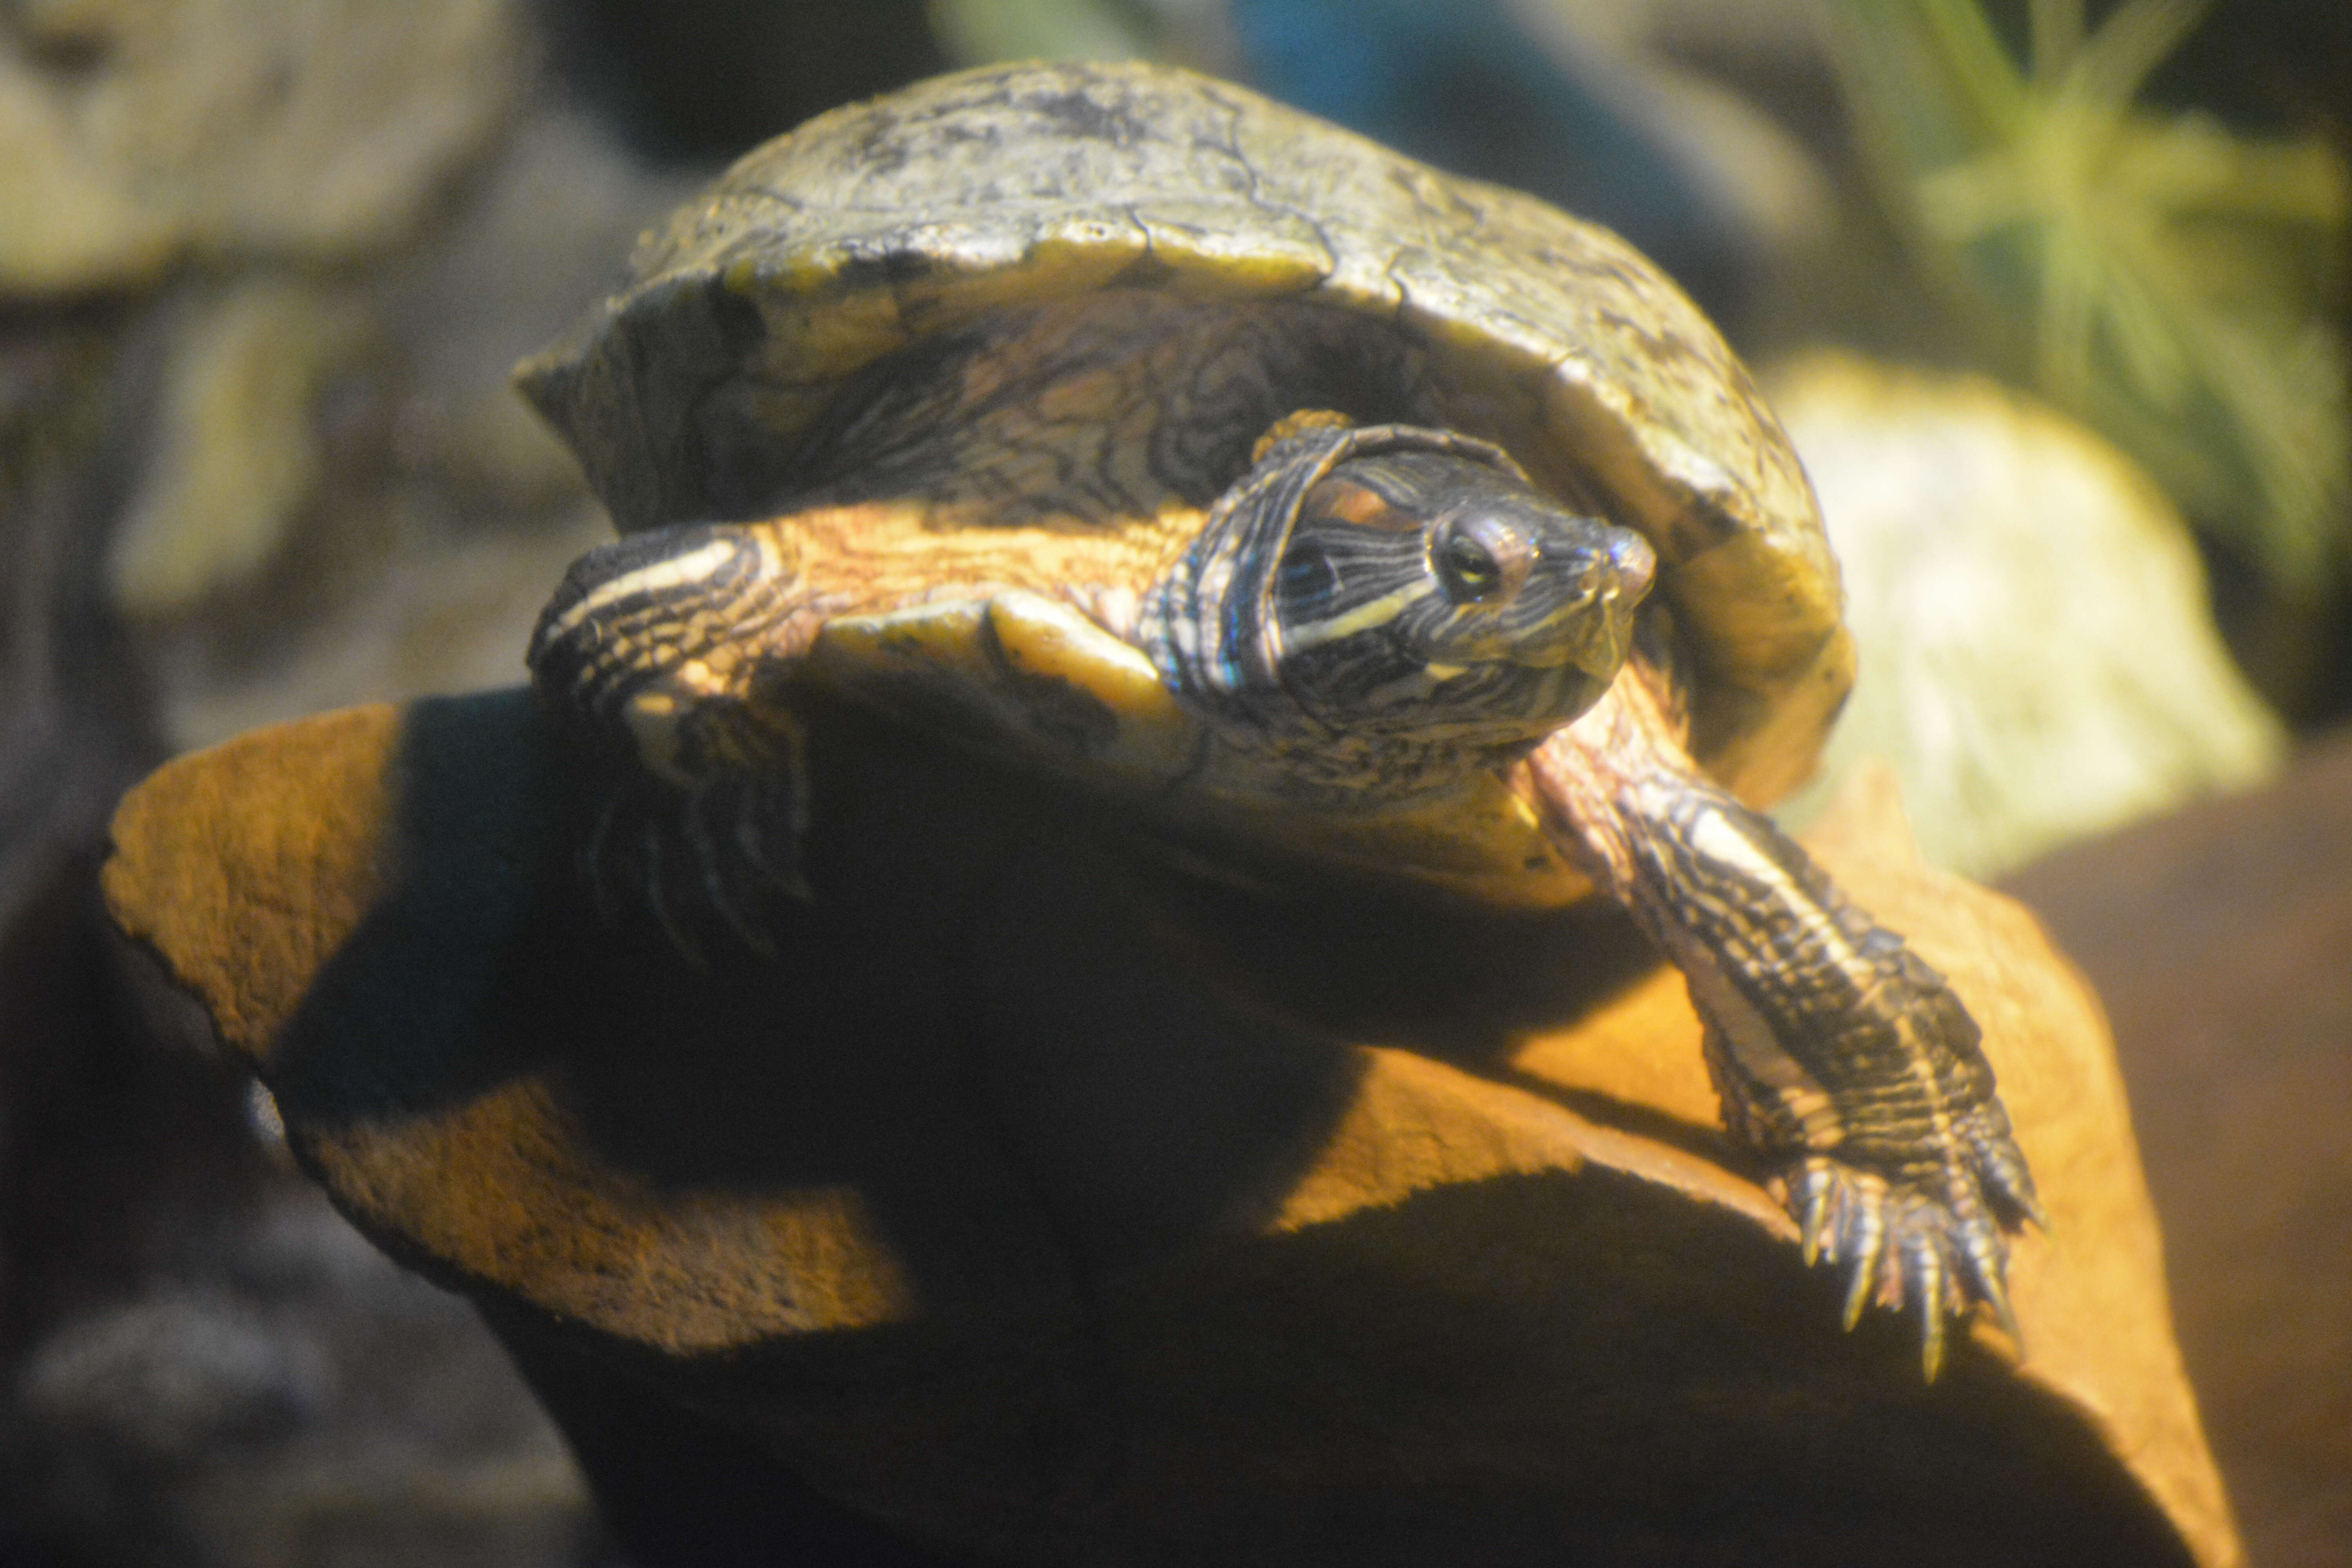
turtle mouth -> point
(1586, 618)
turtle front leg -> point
(1836, 1051)
(661, 655)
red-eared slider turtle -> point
(1294, 496)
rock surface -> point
(2221, 941)
(1042, 1204)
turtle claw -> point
(1841, 1214)
(1922, 1269)
(2000, 1168)
(680, 937)
(596, 868)
(700, 864)
(762, 803)
(712, 879)
(1901, 1242)
(1812, 1224)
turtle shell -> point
(875, 229)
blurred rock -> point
(256, 261)
(441, 510)
(133, 134)
(1038, 1204)
(2038, 656)
(201, 1365)
(236, 462)
(74, 728)
(287, 1400)
(331, 493)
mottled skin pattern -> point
(1080, 343)
(1836, 1051)
(1388, 609)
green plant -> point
(2161, 274)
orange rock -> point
(1042, 1204)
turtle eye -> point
(1467, 568)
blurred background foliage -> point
(2051, 294)
(2172, 279)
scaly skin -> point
(1838, 1054)
(663, 655)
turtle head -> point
(1433, 592)
(1400, 585)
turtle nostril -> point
(1635, 563)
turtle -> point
(1317, 509)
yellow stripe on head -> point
(662, 576)
(1377, 611)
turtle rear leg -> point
(1837, 1052)
(662, 655)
